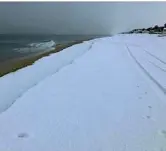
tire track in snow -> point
(158, 66)
(149, 53)
(146, 72)
(58, 70)
(153, 56)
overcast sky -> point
(79, 18)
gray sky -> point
(79, 17)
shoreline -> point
(19, 63)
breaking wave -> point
(35, 47)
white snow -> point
(112, 98)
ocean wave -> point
(35, 47)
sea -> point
(14, 46)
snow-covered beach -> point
(106, 94)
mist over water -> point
(79, 18)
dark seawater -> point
(10, 43)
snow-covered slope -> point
(111, 98)
(15, 84)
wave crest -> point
(34, 47)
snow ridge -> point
(40, 70)
(71, 62)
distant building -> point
(164, 30)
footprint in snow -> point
(22, 135)
(150, 112)
(139, 97)
(149, 107)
